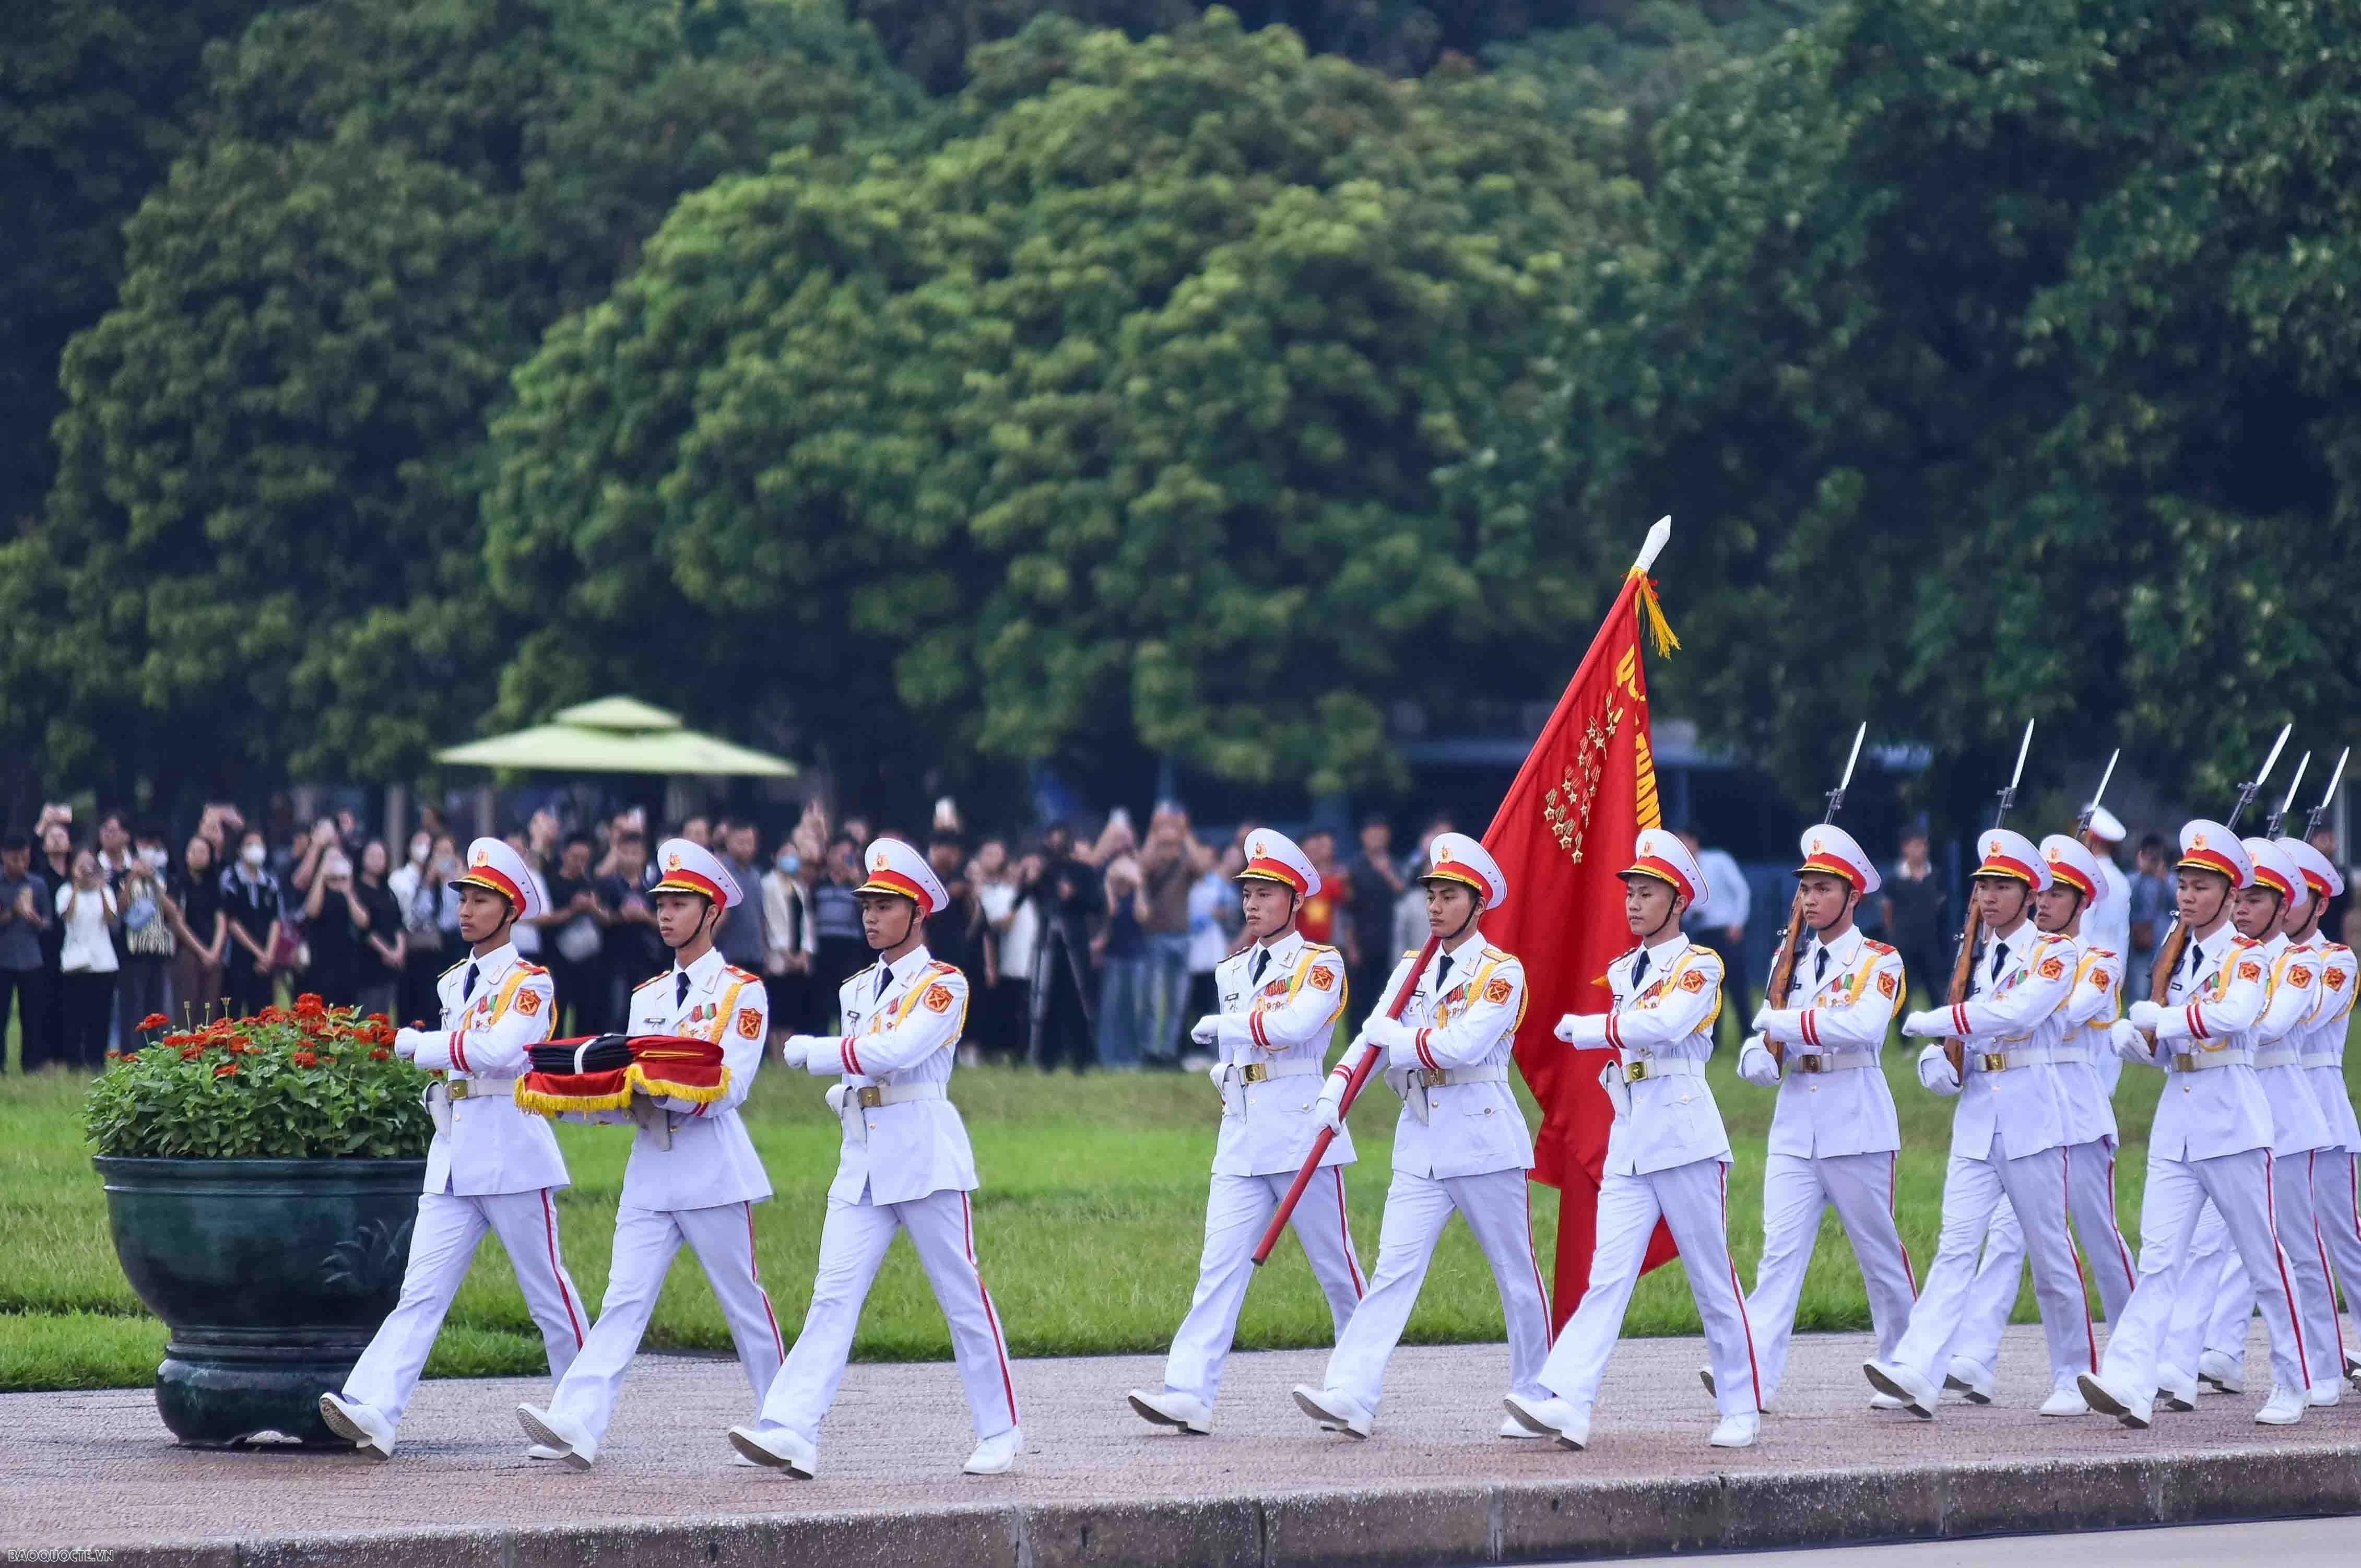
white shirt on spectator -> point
(1727, 900)
(1209, 939)
(1021, 941)
(88, 948)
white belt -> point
(1642, 1068)
(2068, 1056)
(481, 1088)
(2009, 1061)
(1438, 1077)
(2199, 1061)
(848, 1100)
(1260, 1071)
(1829, 1061)
(2279, 1056)
(2331, 1060)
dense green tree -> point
(1994, 354)
(264, 528)
(97, 99)
(1115, 423)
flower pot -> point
(271, 1274)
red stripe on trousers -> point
(754, 1273)
(1754, 1374)
(1548, 1338)
(1892, 1163)
(2082, 1281)
(2311, 1168)
(1007, 1385)
(556, 1269)
(1344, 1231)
(2272, 1211)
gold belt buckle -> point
(1634, 1072)
(1432, 1078)
(2184, 1061)
(869, 1097)
(1995, 1061)
(459, 1088)
(1255, 1072)
(1809, 1062)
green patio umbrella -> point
(616, 734)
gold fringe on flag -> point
(657, 1088)
(542, 1103)
(1660, 631)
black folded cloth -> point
(606, 1054)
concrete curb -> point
(1392, 1527)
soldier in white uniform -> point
(905, 1166)
(2210, 1139)
(1667, 1156)
(2078, 890)
(490, 1167)
(693, 1175)
(1281, 998)
(1461, 1142)
(2220, 1297)
(2008, 1135)
(1835, 1138)
(2337, 1213)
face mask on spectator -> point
(253, 855)
(790, 862)
(420, 847)
(154, 857)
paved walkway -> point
(94, 1470)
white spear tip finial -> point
(1658, 537)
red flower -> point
(380, 1054)
(191, 1053)
(155, 1021)
(378, 1018)
(311, 1002)
(306, 1058)
(130, 1057)
(226, 1069)
(114, 1055)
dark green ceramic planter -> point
(273, 1274)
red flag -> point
(1563, 832)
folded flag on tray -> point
(602, 1073)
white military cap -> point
(689, 868)
(2274, 867)
(897, 868)
(2318, 869)
(1662, 856)
(1274, 857)
(1454, 856)
(2071, 863)
(492, 865)
(1830, 850)
(2105, 824)
(2006, 852)
(2207, 846)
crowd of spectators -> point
(1082, 949)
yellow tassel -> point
(546, 1104)
(657, 1088)
(1660, 631)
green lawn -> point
(1088, 1226)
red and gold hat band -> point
(691, 882)
(491, 881)
(1273, 871)
(2266, 876)
(892, 882)
(1454, 870)
(1827, 867)
(2060, 872)
(1663, 871)
(2211, 861)
(2009, 866)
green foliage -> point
(316, 1084)
(1992, 352)
(1115, 420)
(97, 98)
(264, 525)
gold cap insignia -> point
(2197, 840)
(672, 862)
(483, 856)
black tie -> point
(2000, 956)
(885, 978)
(1821, 969)
(469, 989)
(1262, 961)
(1639, 968)
(1442, 975)
(680, 987)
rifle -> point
(2312, 826)
(1963, 965)
(2083, 823)
(1791, 945)
(2271, 822)
(2176, 939)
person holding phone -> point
(87, 912)
(251, 899)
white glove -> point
(795, 1050)
(1207, 1031)
(2129, 1043)
(1934, 1024)
(1754, 1063)
(1762, 1015)
(1387, 1034)
(1329, 1107)
(406, 1042)
(2144, 1016)
(1936, 1074)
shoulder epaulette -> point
(1499, 955)
(1621, 957)
(1319, 947)
(1411, 952)
(856, 975)
(2103, 952)
(740, 973)
(530, 968)
(651, 981)
(939, 967)
(2242, 941)
(1876, 947)
(453, 970)
(1701, 947)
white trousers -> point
(1795, 1190)
(443, 1242)
(2091, 1187)
(646, 1241)
(1237, 1211)
(2336, 1211)
(1693, 1201)
(853, 1242)
(2035, 1185)
(2224, 1297)
(1497, 1207)
(2239, 1187)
